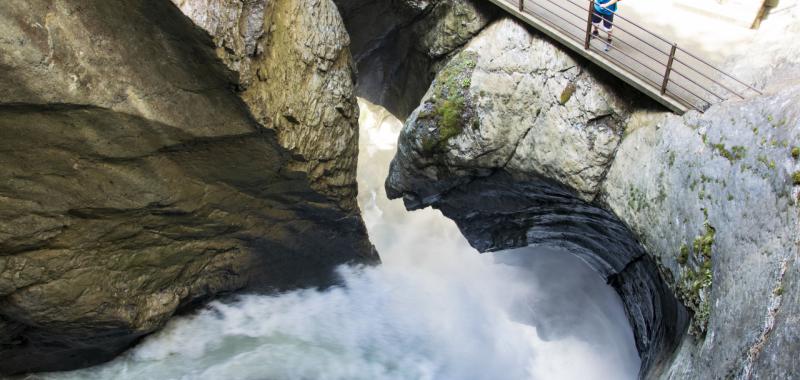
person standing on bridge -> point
(603, 17)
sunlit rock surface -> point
(512, 141)
(136, 183)
(713, 199)
(296, 76)
(237, 28)
(511, 100)
(519, 156)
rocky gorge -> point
(159, 154)
(692, 219)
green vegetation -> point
(683, 256)
(694, 286)
(778, 291)
(703, 243)
(637, 199)
(735, 153)
(762, 159)
(569, 90)
(796, 152)
(662, 194)
(450, 117)
(448, 105)
(796, 178)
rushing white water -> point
(435, 309)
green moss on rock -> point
(683, 256)
(448, 107)
(735, 153)
(637, 199)
(567, 93)
(694, 286)
(796, 178)
(703, 243)
(796, 152)
(450, 118)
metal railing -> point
(678, 74)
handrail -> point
(654, 59)
(669, 78)
(721, 72)
(616, 15)
(711, 79)
(701, 86)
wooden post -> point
(669, 68)
(521, 5)
(589, 26)
(762, 10)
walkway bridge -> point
(659, 68)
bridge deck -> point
(639, 57)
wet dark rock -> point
(399, 45)
(499, 212)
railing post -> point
(669, 68)
(521, 5)
(589, 26)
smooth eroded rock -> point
(511, 100)
(136, 183)
(521, 144)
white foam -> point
(435, 309)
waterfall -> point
(435, 309)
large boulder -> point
(687, 216)
(513, 141)
(137, 183)
(510, 100)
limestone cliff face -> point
(136, 183)
(714, 199)
(237, 28)
(296, 76)
(521, 144)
